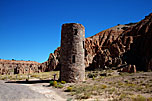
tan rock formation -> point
(19, 67)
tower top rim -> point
(73, 24)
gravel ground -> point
(47, 91)
(16, 92)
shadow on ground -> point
(29, 82)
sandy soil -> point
(51, 94)
(115, 87)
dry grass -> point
(41, 76)
(101, 84)
(125, 87)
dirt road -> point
(20, 92)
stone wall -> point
(72, 52)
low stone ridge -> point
(20, 67)
(129, 44)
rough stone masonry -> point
(72, 52)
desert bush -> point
(103, 86)
(122, 96)
(69, 89)
(130, 85)
(63, 82)
(59, 85)
(91, 75)
(84, 96)
(139, 98)
(120, 83)
(139, 88)
(93, 78)
(56, 84)
(53, 83)
(149, 99)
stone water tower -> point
(72, 52)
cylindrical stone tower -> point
(72, 52)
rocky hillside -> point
(119, 46)
(140, 44)
(20, 67)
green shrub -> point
(91, 75)
(103, 86)
(130, 85)
(149, 99)
(69, 89)
(59, 85)
(53, 83)
(56, 84)
(63, 82)
(93, 78)
(120, 83)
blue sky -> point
(31, 29)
